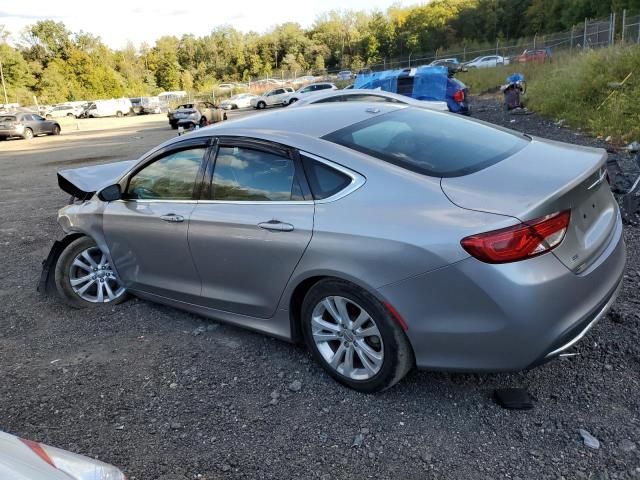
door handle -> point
(276, 226)
(172, 217)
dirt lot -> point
(169, 395)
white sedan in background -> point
(366, 95)
(27, 460)
(242, 100)
(487, 61)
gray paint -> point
(397, 235)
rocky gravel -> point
(168, 395)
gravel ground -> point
(168, 395)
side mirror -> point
(110, 193)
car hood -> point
(84, 182)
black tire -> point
(203, 122)
(62, 273)
(27, 134)
(3, 139)
(261, 105)
(398, 357)
(174, 125)
(70, 115)
(224, 117)
(234, 107)
(119, 114)
(47, 116)
(293, 100)
(56, 130)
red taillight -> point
(520, 242)
(459, 96)
(38, 450)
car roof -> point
(315, 97)
(315, 122)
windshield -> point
(431, 143)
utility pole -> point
(4, 87)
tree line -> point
(57, 65)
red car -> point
(541, 55)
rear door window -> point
(431, 143)
(246, 174)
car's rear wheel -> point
(261, 105)
(27, 134)
(84, 278)
(70, 115)
(293, 100)
(56, 130)
(203, 122)
(118, 114)
(354, 337)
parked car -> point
(487, 61)
(226, 86)
(301, 92)
(369, 96)
(444, 62)
(149, 105)
(539, 55)
(60, 111)
(242, 100)
(477, 258)
(277, 96)
(27, 126)
(109, 108)
(189, 115)
(422, 83)
(22, 459)
(345, 75)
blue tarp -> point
(429, 83)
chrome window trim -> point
(257, 202)
(357, 180)
(150, 200)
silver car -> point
(367, 95)
(22, 459)
(382, 235)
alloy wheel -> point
(92, 278)
(347, 337)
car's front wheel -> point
(55, 130)
(261, 105)
(84, 278)
(354, 337)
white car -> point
(27, 460)
(226, 86)
(312, 88)
(277, 96)
(365, 95)
(65, 110)
(242, 100)
(487, 61)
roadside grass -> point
(578, 90)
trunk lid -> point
(543, 178)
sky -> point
(119, 21)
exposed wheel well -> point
(46, 284)
(295, 305)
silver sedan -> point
(382, 235)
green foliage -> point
(57, 64)
(578, 90)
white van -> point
(109, 108)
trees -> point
(57, 64)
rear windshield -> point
(438, 145)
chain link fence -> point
(591, 34)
